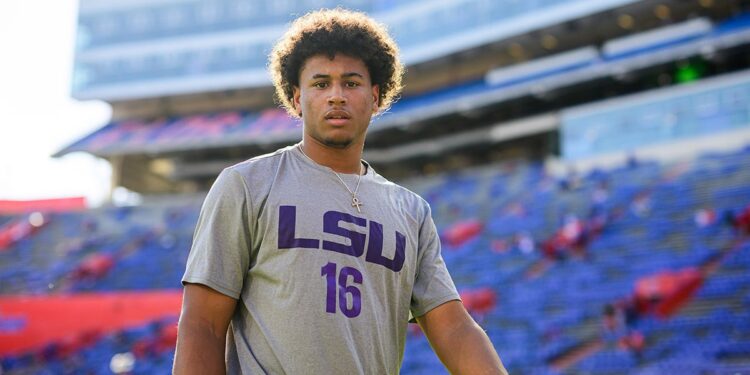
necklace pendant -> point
(357, 203)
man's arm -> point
(459, 342)
(202, 331)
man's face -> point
(337, 99)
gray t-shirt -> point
(321, 288)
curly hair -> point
(330, 32)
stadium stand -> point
(565, 147)
(534, 321)
(568, 68)
(107, 58)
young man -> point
(306, 261)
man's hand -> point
(459, 342)
(202, 331)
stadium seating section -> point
(585, 64)
(416, 23)
(184, 19)
(544, 312)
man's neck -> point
(341, 160)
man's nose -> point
(336, 96)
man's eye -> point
(320, 85)
(352, 84)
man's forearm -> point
(472, 352)
(199, 351)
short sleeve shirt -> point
(321, 286)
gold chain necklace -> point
(356, 202)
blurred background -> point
(587, 164)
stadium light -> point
(549, 42)
(625, 21)
(662, 12)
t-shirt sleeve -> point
(433, 285)
(220, 255)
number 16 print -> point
(329, 271)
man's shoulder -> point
(403, 193)
(256, 174)
(260, 162)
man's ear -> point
(375, 98)
(296, 102)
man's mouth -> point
(337, 117)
